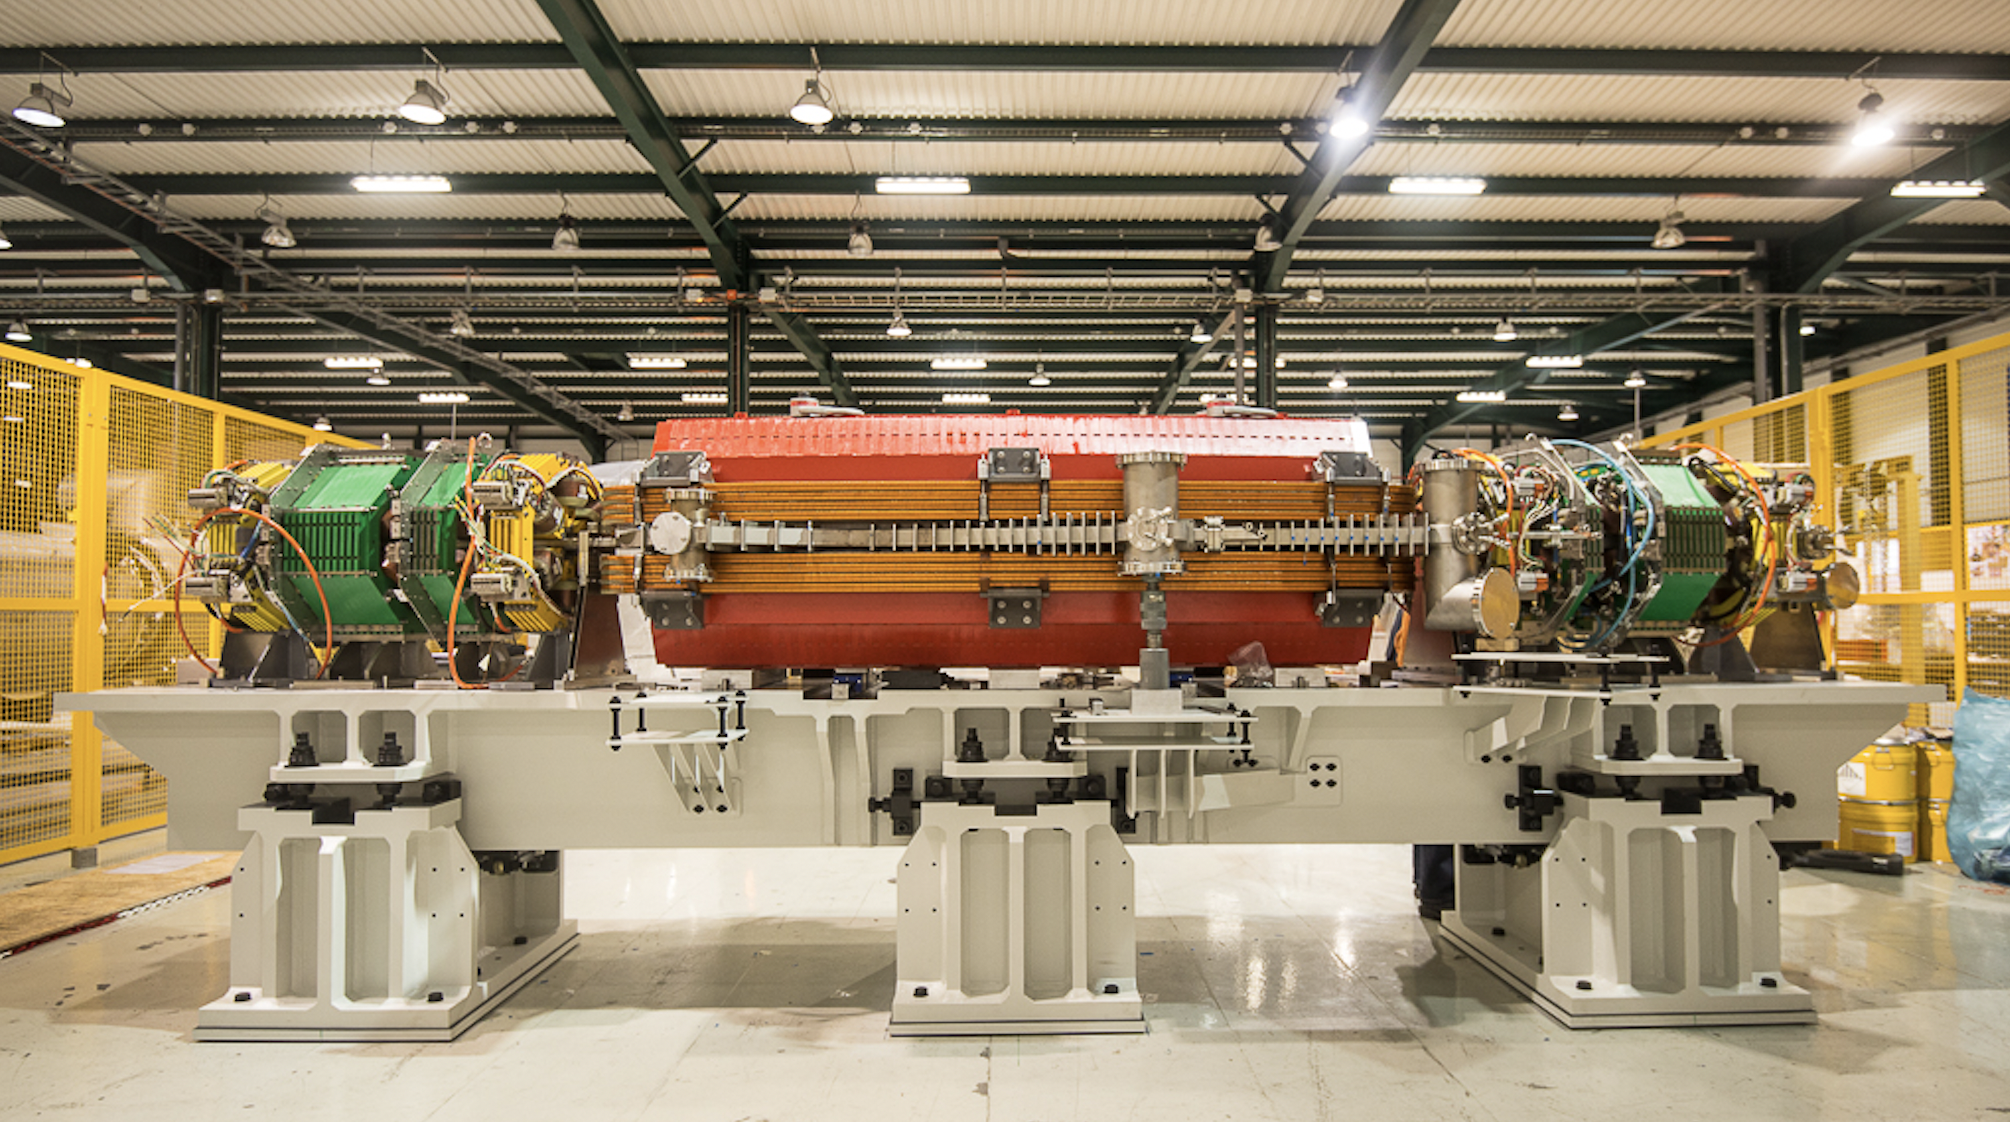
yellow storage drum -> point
(1885, 772)
(1933, 830)
(1877, 827)
(1936, 770)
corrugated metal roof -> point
(639, 207)
(1027, 208)
(1006, 21)
(899, 157)
(1979, 211)
(978, 94)
(14, 209)
(1960, 26)
(1547, 97)
(361, 93)
(1563, 208)
(351, 157)
(1563, 160)
(123, 23)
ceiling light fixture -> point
(402, 184)
(956, 363)
(43, 107)
(322, 424)
(1200, 334)
(814, 107)
(1635, 380)
(1039, 377)
(377, 379)
(82, 363)
(460, 324)
(276, 234)
(1807, 328)
(352, 362)
(1871, 128)
(1554, 362)
(1472, 396)
(4, 242)
(427, 105)
(859, 244)
(1437, 185)
(899, 328)
(1504, 331)
(966, 399)
(655, 362)
(1266, 236)
(626, 412)
(1938, 189)
(1337, 382)
(1346, 120)
(443, 397)
(17, 332)
(922, 185)
(565, 239)
(704, 399)
(1567, 413)
(1669, 234)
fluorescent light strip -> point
(1938, 189)
(655, 362)
(966, 399)
(956, 364)
(1483, 395)
(443, 397)
(1436, 185)
(352, 362)
(922, 185)
(402, 184)
(1555, 362)
(704, 399)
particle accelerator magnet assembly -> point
(424, 698)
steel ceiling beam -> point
(797, 183)
(1812, 256)
(799, 334)
(1614, 332)
(181, 264)
(956, 57)
(1191, 358)
(1367, 99)
(598, 50)
(151, 132)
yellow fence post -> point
(87, 604)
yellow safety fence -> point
(94, 474)
(1913, 468)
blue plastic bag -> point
(1978, 822)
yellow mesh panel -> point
(34, 740)
(87, 457)
(1915, 468)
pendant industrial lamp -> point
(814, 107)
(428, 103)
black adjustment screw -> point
(921, 991)
(436, 997)
(241, 996)
(1110, 988)
(1770, 983)
(390, 753)
(1500, 931)
(303, 752)
(1583, 984)
(971, 751)
(1626, 747)
(1710, 747)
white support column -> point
(398, 952)
(1639, 916)
(1093, 888)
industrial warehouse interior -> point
(931, 559)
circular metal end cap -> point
(1497, 605)
(1842, 585)
(1150, 457)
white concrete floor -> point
(1286, 983)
